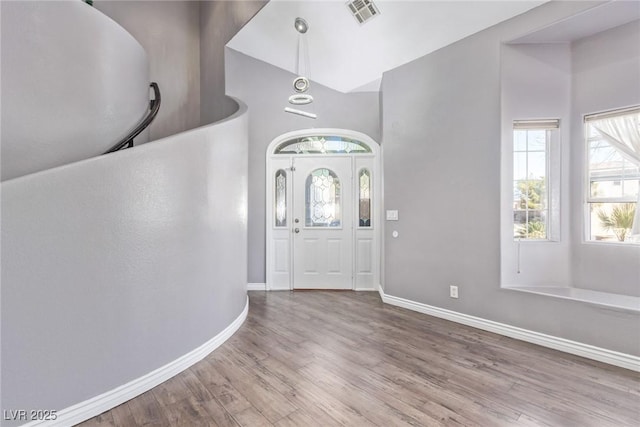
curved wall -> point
(75, 81)
(115, 266)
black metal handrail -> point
(154, 107)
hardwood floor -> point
(343, 358)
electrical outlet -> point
(453, 291)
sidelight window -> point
(281, 198)
(364, 205)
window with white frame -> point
(532, 186)
(613, 176)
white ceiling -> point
(350, 57)
(591, 21)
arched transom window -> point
(322, 145)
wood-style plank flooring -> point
(343, 358)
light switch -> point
(392, 215)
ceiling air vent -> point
(363, 10)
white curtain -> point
(623, 133)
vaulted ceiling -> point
(350, 57)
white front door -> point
(322, 223)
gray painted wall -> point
(606, 75)
(64, 100)
(219, 22)
(266, 90)
(169, 31)
(441, 139)
(115, 266)
(536, 84)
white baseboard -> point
(615, 358)
(263, 287)
(278, 288)
(256, 286)
(90, 408)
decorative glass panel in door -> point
(322, 240)
(322, 199)
(364, 205)
(281, 198)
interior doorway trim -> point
(364, 154)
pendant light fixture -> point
(301, 83)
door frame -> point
(283, 278)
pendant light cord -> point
(302, 57)
(298, 54)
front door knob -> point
(296, 230)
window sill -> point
(611, 243)
(535, 241)
(603, 299)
